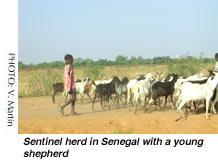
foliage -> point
(94, 72)
(184, 67)
(37, 80)
(120, 60)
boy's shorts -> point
(72, 91)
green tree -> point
(94, 72)
(121, 59)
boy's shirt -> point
(68, 78)
(216, 66)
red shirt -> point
(68, 78)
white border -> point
(9, 44)
(12, 143)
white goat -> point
(180, 81)
(141, 93)
(80, 88)
(132, 85)
(195, 91)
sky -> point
(103, 29)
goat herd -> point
(147, 89)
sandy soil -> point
(40, 115)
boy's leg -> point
(73, 104)
(61, 108)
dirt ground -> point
(38, 115)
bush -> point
(183, 67)
(94, 72)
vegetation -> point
(185, 67)
(119, 130)
(37, 83)
(37, 80)
(120, 60)
(94, 72)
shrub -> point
(94, 72)
(183, 67)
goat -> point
(105, 91)
(97, 82)
(121, 88)
(195, 78)
(131, 87)
(88, 87)
(80, 87)
(159, 76)
(59, 87)
(142, 91)
(194, 91)
(163, 89)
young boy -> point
(216, 65)
(69, 84)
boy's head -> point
(68, 59)
(216, 56)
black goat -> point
(105, 92)
(59, 87)
(163, 89)
(121, 88)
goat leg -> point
(165, 103)
(207, 108)
(102, 98)
(126, 98)
(159, 101)
(128, 103)
(183, 115)
(89, 96)
(110, 102)
(181, 105)
(213, 108)
(121, 100)
(117, 101)
(93, 102)
(194, 103)
(135, 108)
(171, 97)
(82, 98)
(149, 103)
(53, 96)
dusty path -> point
(40, 115)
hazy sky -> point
(48, 29)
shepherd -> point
(69, 85)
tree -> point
(121, 59)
